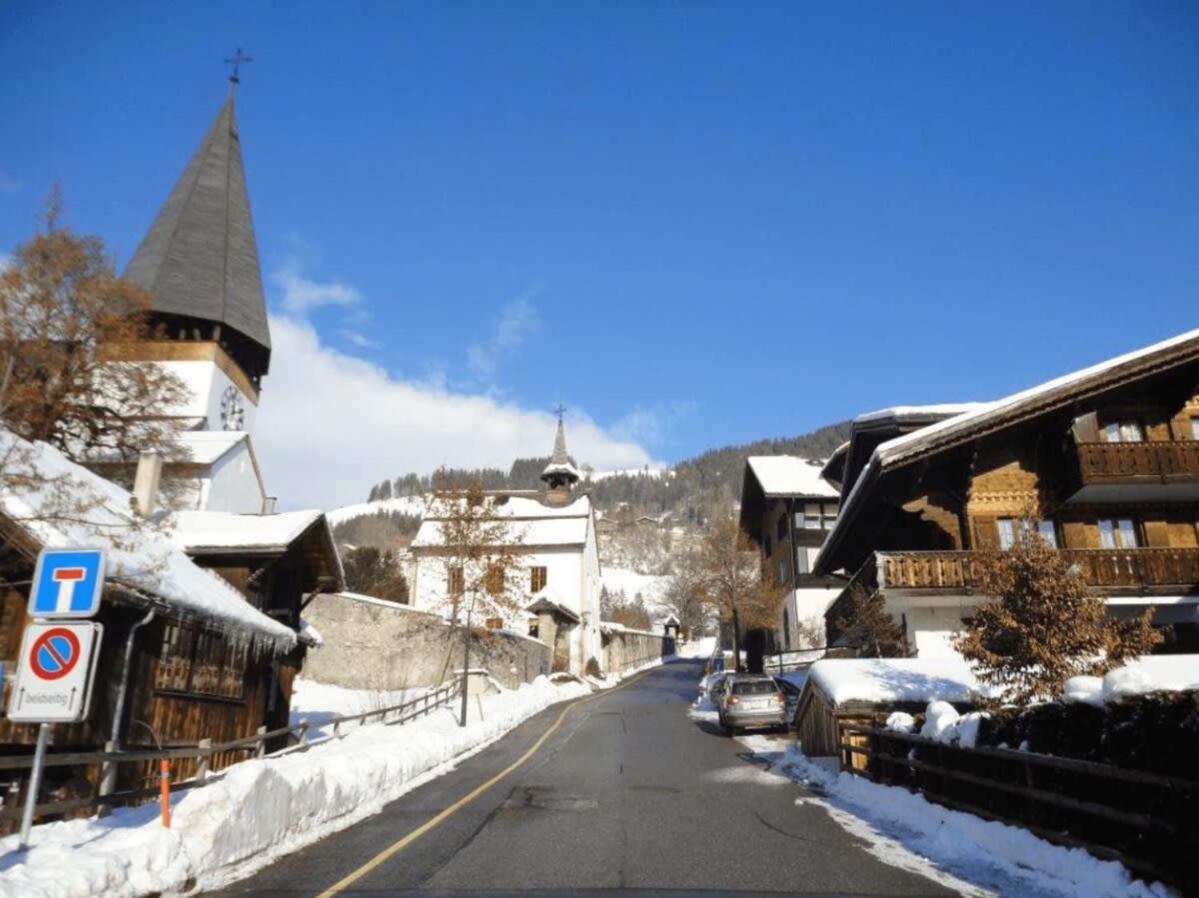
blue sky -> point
(695, 223)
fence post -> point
(337, 729)
(203, 760)
(260, 732)
(304, 731)
(108, 778)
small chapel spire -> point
(560, 475)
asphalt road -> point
(628, 795)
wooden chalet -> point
(186, 654)
(787, 509)
(1103, 462)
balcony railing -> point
(1164, 461)
(1135, 569)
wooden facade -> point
(1106, 469)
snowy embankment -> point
(964, 852)
(255, 811)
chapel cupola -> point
(560, 475)
(199, 259)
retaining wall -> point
(374, 644)
(625, 649)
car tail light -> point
(732, 699)
(778, 697)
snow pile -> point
(901, 722)
(73, 507)
(1152, 673)
(258, 810)
(882, 680)
(904, 828)
(942, 723)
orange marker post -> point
(164, 791)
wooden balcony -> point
(1158, 469)
(1111, 570)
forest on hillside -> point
(710, 479)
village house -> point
(1103, 464)
(554, 537)
(787, 507)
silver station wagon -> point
(751, 701)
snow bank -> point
(258, 810)
(901, 722)
(882, 680)
(1008, 859)
(1152, 673)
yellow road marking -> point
(433, 822)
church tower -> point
(560, 475)
(199, 262)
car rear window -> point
(754, 687)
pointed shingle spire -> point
(561, 470)
(199, 260)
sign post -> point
(57, 664)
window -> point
(202, 663)
(811, 516)
(174, 659)
(495, 623)
(1195, 428)
(1008, 528)
(494, 581)
(1124, 432)
(830, 515)
(801, 560)
(1118, 533)
(455, 581)
(538, 577)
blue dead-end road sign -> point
(67, 583)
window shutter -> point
(986, 534)
(1086, 428)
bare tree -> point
(730, 578)
(480, 548)
(1041, 626)
(66, 323)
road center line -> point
(433, 822)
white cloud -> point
(362, 341)
(654, 426)
(330, 425)
(518, 320)
(301, 294)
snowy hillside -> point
(408, 505)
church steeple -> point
(199, 260)
(560, 475)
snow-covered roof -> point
(207, 446)
(790, 475)
(139, 556)
(984, 415)
(196, 531)
(902, 413)
(882, 680)
(533, 523)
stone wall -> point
(625, 649)
(373, 644)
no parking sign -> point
(54, 673)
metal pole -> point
(35, 783)
(466, 662)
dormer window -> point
(1124, 432)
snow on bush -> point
(901, 722)
(942, 723)
(1152, 673)
(258, 810)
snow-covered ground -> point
(651, 587)
(973, 856)
(413, 505)
(320, 702)
(255, 811)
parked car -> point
(751, 701)
(791, 694)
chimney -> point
(145, 482)
(268, 504)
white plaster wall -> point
(563, 573)
(206, 383)
(232, 484)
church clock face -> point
(233, 412)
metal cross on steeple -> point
(560, 411)
(236, 60)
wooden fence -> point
(200, 757)
(1145, 820)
